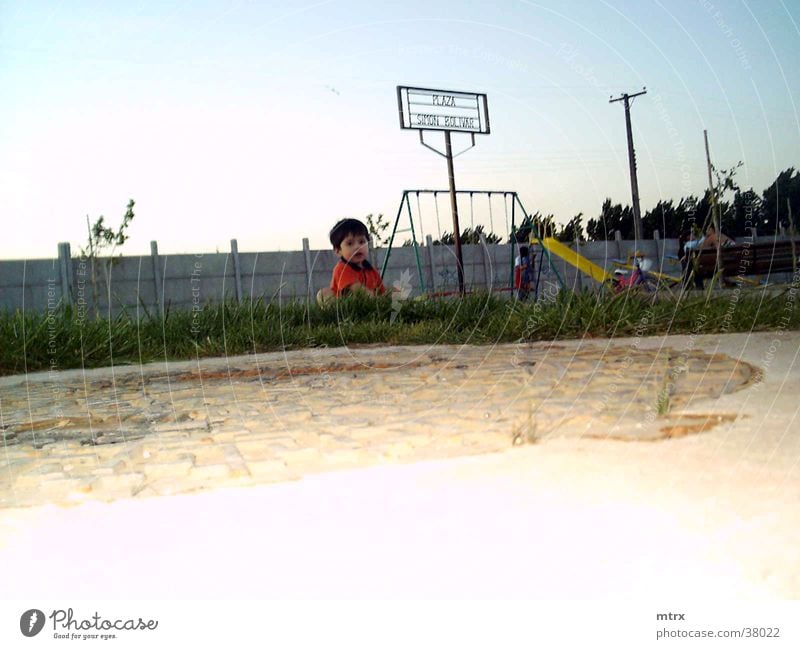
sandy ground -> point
(715, 514)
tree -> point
(377, 226)
(531, 225)
(775, 211)
(101, 238)
(664, 218)
(468, 236)
(724, 182)
(573, 230)
(743, 213)
(611, 219)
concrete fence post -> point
(64, 274)
(486, 268)
(431, 262)
(618, 239)
(578, 273)
(64, 268)
(309, 269)
(657, 240)
(157, 281)
(237, 270)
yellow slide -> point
(572, 257)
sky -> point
(269, 121)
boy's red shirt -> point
(345, 274)
(518, 278)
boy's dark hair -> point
(523, 251)
(345, 227)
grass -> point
(662, 402)
(525, 433)
(62, 340)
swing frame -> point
(515, 201)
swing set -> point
(453, 111)
(511, 203)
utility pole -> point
(637, 216)
(451, 177)
(714, 209)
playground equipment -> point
(632, 276)
(641, 273)
(420, 223)
(575, 259)
(429, 109)
(629, 272)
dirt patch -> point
(693, 424)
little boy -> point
(523, 273)
(353, 272)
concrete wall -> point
(150, 283)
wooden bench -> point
(762, 258)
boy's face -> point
(354, 248)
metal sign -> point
(442, 110)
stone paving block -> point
(34, 478)
(235, 461)
(228, 433)
(148, 491)
(256, 451)
(19, 453)
(103, 470)
(418, 440)
(305, 438)
(282, 416)
(9, 498)
(278, 449)
(210, 472)
(29, 497)
(118, 485)
(177, 453)
(302, 456)
(340, 442)
(82, 466)
(154, 470)
(11, 469)
(120, 466)
(164, 486)
(58, 490)
(180, 426)
(392, 450)
(209, 455)
(70, 489)
(251, 436)
(349, 458)
(271, 471)
(45, 468)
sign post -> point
(426, 109)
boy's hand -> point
(358, 287)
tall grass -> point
(61, 340)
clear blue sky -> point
(268, 121)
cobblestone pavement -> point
(106, 434)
